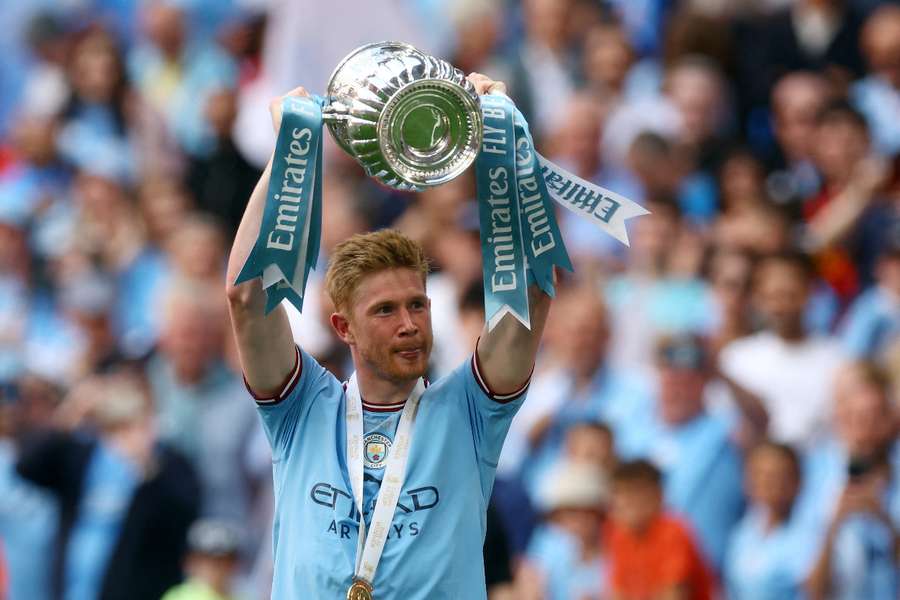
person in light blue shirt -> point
(771, 550)
(433, 542)
(873, 319)
(565, 550)
(694, 448)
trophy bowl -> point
(411, 120)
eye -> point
(417, 304)
(384, 309)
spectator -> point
(877, 95)
(565, 550)
(582, 386)
(222, 181)
(770, 553)
(125, 502)
(177, 73)
(852, 495)
(851, 183)
(543, 64)
(873, 319)
(863, 431)
(651, 554)
(694, 448)
(28, 514)
(211, 564)
(200, 403)
(790, 370)
(858, 558)
(796, 101)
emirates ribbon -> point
(287, 246)
(520, 237)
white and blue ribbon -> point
(597, 205)
(520, 238)
(499, 214)
(287, 246)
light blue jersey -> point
(434, 549)
(769, 564)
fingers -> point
(485, 85)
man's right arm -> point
(265, 342)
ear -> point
(341, 326)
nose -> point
(408, 327)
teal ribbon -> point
(287, 246)
(543, 241)
(499, 213)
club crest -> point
(376, 450)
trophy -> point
(411, 120)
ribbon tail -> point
(604, 208)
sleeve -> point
(45, 457)
(283, 414)
(490, 414)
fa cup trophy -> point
(411, 120)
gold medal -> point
(360, 590)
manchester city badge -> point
(376, 448)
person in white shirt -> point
(789, 368)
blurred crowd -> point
(714, 412)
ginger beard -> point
(390, 325)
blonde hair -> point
(366, 253)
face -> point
(772, 480)
(635, 503)
(192, 337)
(96, 69)
(583, 333)
(388, 327)
(781, 295)
(680, 393)
(581, 523)
(881, 43)
(839, 146)
(590, 445)
(796, 100)
(862, 415)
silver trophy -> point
(411, 120)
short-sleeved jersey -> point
(434, 549)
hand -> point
(857, 498)
(485, 85)
(275, 105)
(871, 173)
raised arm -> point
(506, 354)
(265, 343)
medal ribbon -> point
(370, 547)
(287, 246)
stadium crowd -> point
(714, 412)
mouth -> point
(410, 353)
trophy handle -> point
(335, 112)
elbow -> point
(240, 296)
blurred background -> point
(729, 383)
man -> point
(433, 539)
(125, 502)
(790, 369)
(695, 448)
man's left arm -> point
(505, 355)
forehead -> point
(389, 285)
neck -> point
(378, 390)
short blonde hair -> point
(366, 253)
